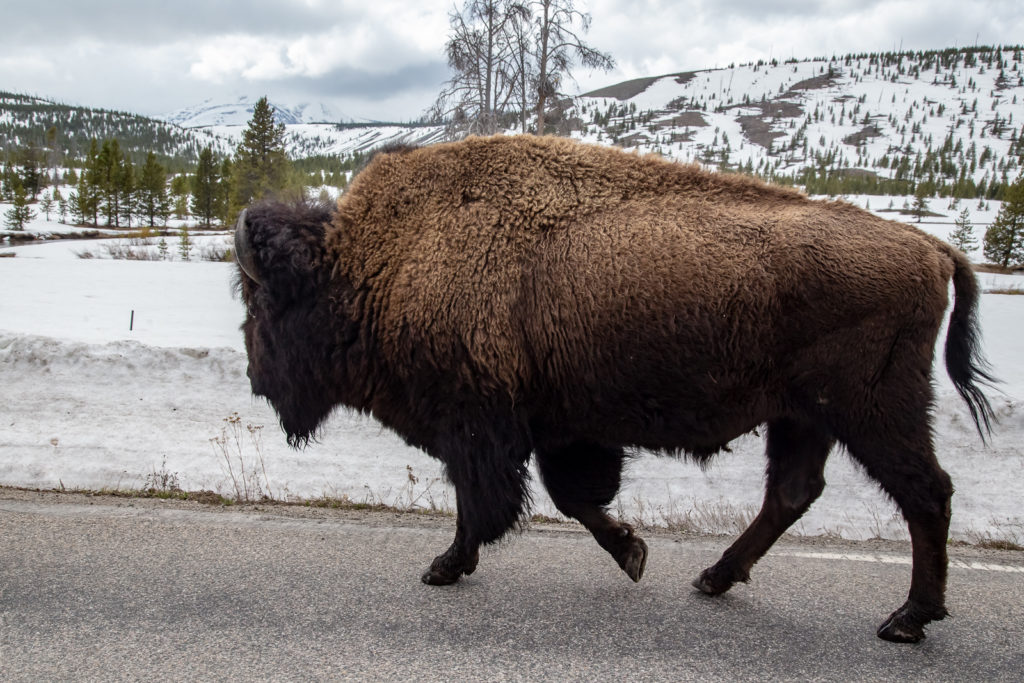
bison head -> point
(284, 280)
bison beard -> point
(504, 297)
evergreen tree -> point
(62, 205)
(126, 191)
(104, 178)
(224, 191)
(179, 196)
(1004, 240)
(7, 178)
(85, 202)
(31, 178)
(205, 189)
(261, 167)
(21, 213)
(152, 201)
(184, 245)
(46, 204)
(962, 236)
(920, 207)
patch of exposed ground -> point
(629, 89)
(758, 127)
(814, 83)
(692, 119)
(863, 135)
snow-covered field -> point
(88, 402)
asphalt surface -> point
(95, 588)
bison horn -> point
(243, 249)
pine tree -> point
(31, 179)
(46, 204)
(62, 206)
(85, 202)
(184, 245)
(153, 203)
(261, 167)
(179, 196)
(126, 191)
(920, 207)
(962, 236)
(106, 169)
(224, 190)
(21, 213)
(1004, 240)
(205, 189)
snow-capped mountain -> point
(239, 112)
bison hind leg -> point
(797, 452)
(582, 480)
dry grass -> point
(242, 460)
(700, 517)
(986, 540)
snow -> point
(910, 111)
(239, 112)
(90, 403)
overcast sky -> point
(383, 59)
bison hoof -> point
(447, 568)
(634, 560)
(710, 582)
(432, 577)
(906, 625)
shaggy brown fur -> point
(498, 297)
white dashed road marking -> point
(895, 559)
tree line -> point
(110, 189)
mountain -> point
(868, 123)
(239, 112)
(68, 130)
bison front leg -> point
(460, 558)
(488, 470)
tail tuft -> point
(965, 363)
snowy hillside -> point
(66, 131)
(941, 117)
(311, 139)
(239, 112)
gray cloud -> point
(125, 21)
(348, 82)
(385, 59)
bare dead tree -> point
(482, 54)
(524, 67)
(558, 47)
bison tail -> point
(965, 363)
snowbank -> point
(90, 403)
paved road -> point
(111, 589)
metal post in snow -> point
(131, 322)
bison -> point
(497, 298)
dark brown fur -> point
(501, 297)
